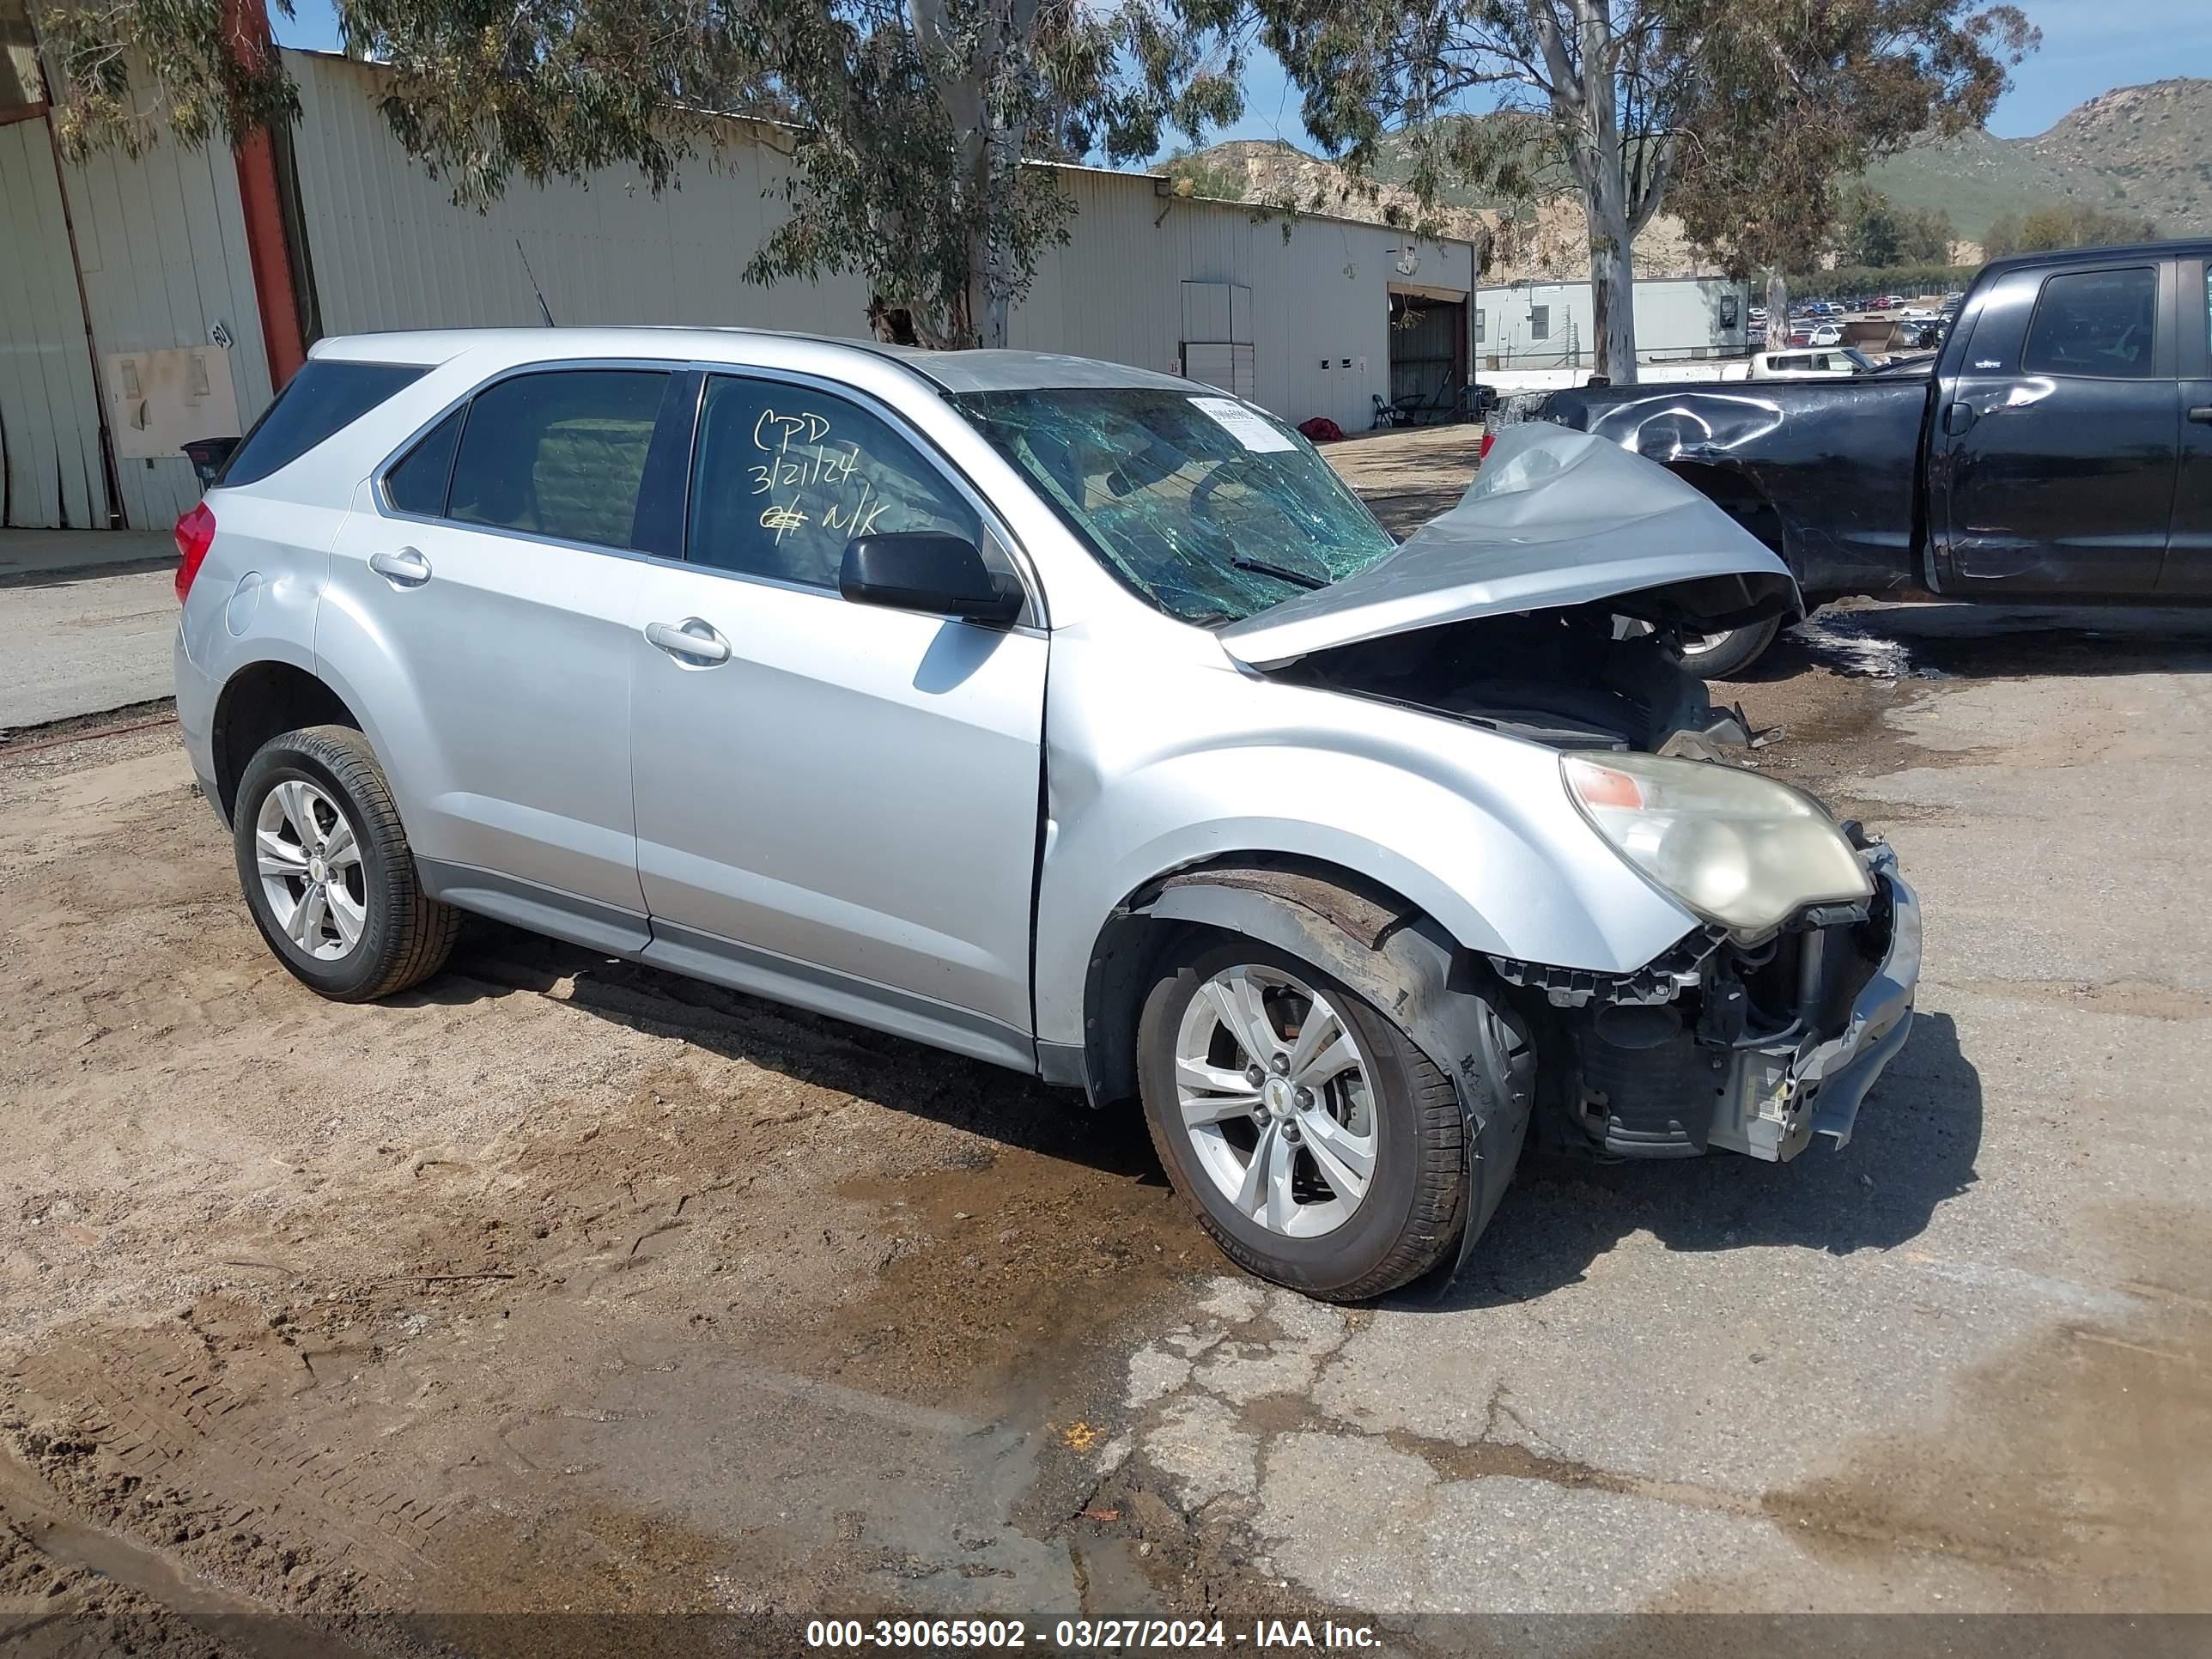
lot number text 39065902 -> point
(1090, 1635)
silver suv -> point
(1066, 716)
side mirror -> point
(929, 571)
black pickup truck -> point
(2058, 450)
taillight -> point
(195, 535)
(1488, 439)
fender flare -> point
(1401, 962)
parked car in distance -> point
(1827, 334)
(1061, 714)
(1833, 364)
(2058, 450)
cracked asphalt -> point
(1959, 1366)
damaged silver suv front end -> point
(1549, 605)
(1747, 1049)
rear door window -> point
(326, 397)
(2098, 323)
(560, 453)
(417, 484)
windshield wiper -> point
(1280, 573)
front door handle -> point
(694, 640)
(405, 569)
(2201, 414)
(1957, 418)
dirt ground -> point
(568, 1288)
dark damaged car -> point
(2058, 450)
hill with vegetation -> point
(2143, 151)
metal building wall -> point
(51, 476)
(162, 243)
(389, 250)
(1321, 301)
(1676, 318)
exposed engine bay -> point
(1574, 678)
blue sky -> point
(2089, 46)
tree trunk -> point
(1778, 309)
(1612, 300)
(1593, 105)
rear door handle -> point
(405, 569)
(1957, 418)
(2201, 414)
(692, 640)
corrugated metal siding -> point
(1320, 295)
(389, 250)
(162, 243)
(49, 408)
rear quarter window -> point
(325, 398)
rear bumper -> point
(196, 700)
(1779, 1097)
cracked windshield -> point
(1207, 508)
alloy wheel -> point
(1279, 1100)
(311, 869)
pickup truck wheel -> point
(1724, 656)
(1318, 1145)
(327, 872)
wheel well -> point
(258, 703)
(1737, 496)
(1125, 961)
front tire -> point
(327, 872)
(1723, 656)
(1340, 1172)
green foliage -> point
(2065, 224)
(1743, 115)
(1789, 100)
(913, 118)
(1868, 282)
(1198, 175)
(1872, 230)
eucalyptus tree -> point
(910, 125)
(1741, 116)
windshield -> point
(1208, 508)
(1859, 361)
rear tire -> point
(1729, 654)
(1402, 1115)
(326, 870)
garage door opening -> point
(1428, 354)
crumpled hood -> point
(1556, 518)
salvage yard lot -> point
(566, 1285)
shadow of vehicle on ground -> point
(494, 960)
(1918, 1136)
(1991, 641)
(1917, 1140)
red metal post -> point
(246, 23)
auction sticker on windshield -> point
(1247, 428)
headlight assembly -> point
(1739, 849)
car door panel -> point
(843, 808)
(2055, 441)
(854, 788)
(2187, 572)
(513, 646)
(518, 738)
